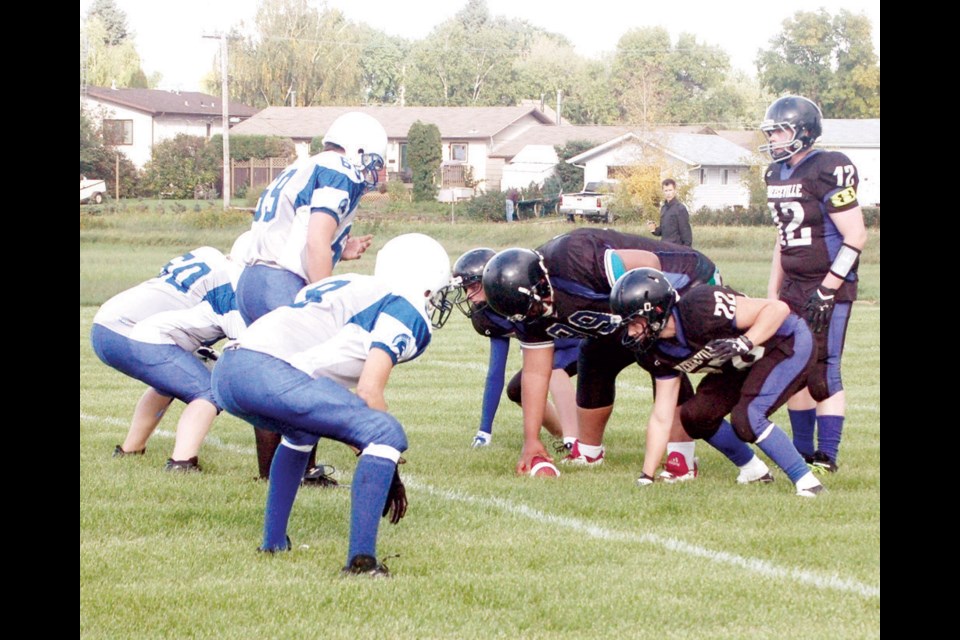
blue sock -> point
(725, 441)
(286, 472)
(829, 430)
(803, 422)
(780, 449)
(371, 484)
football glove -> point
(819, 308)
(396, 504)
(725, 349)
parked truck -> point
(92, 190)
(593, 203)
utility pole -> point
(225, 111)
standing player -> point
(562, 290)
(755, 353)
(560, 418)
(301, 227)
(812, 195)
(291, 370)
(183, 283)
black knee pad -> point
(741, 424)
(699, 425)
(514, 386)
(817, 382)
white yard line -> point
(753, 565)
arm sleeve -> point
(493, 389)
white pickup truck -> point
(92, 190)
(590, 204)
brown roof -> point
(453, 122)
(157, 102)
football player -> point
(301, 227)
(560, 418)
(756, 354)
(202, 276)
(292, 369)
(812, 195)
(562, 290)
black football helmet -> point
(798, 116)
(468, 270)
(643, 293)
(517, 286)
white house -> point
(712, 164)
(133, 120)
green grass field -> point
(482, 553)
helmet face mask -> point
(467, 276)
(517, 285)
(418, 268)
(646, 294)
(799, 118)
(364, 143)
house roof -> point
(453, 122)
(851, 133)
(691, 148)
(157, 102)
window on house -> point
(458, 152)
(724, 176)
(117, 132)
(703, 176)
(404, 162)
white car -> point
(92, 190)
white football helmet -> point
(418, 268)
(363, 139)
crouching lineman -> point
(292, 369)
(756, 354)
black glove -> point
(396, 504)
(725, 349)
(819, 308)
(207, 353)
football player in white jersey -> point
(183, 283)
(302, 222)
(292, 369)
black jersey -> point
(581, 278)
(705, 314)
(489, 324)
(800, 199)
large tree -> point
(424, 153)
(829, 59)
(298, 55)
(108, 55)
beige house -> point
(133, 120)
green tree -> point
(105, 65)
(383, 66)
(182, 164)
(100, 161)
(114, 21)
(569, 176)
(299, 55)
(640, 75)
(424, 153)
(829, 59)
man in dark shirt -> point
(674, 219)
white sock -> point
(756, 467)
(685, 449)
(590, 450)
(569, 440)
(808, 481)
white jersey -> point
(324, 184)
(334, 323)
(182, 283)
(215, 318)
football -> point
(543, 468)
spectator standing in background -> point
(513, 196)
(674, 218)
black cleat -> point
(182, 466)
(821, 463)
(320, 476)
(363, 565)
(288, 547)
(118, 452)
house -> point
(714, 165)
(467, 134)
(133, 120)
(860, 141)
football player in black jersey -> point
(812, 195)
(562, 290)
(560, 417)
(756, 354)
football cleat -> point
(482, 439)
(118, 452)
(288, 547)
(675, 469)
(182, 466)
(575, 457)
(364, 565)
(320, 476)
(821, 463)
(810, 492)
(756, 471)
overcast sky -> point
(169, 34)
